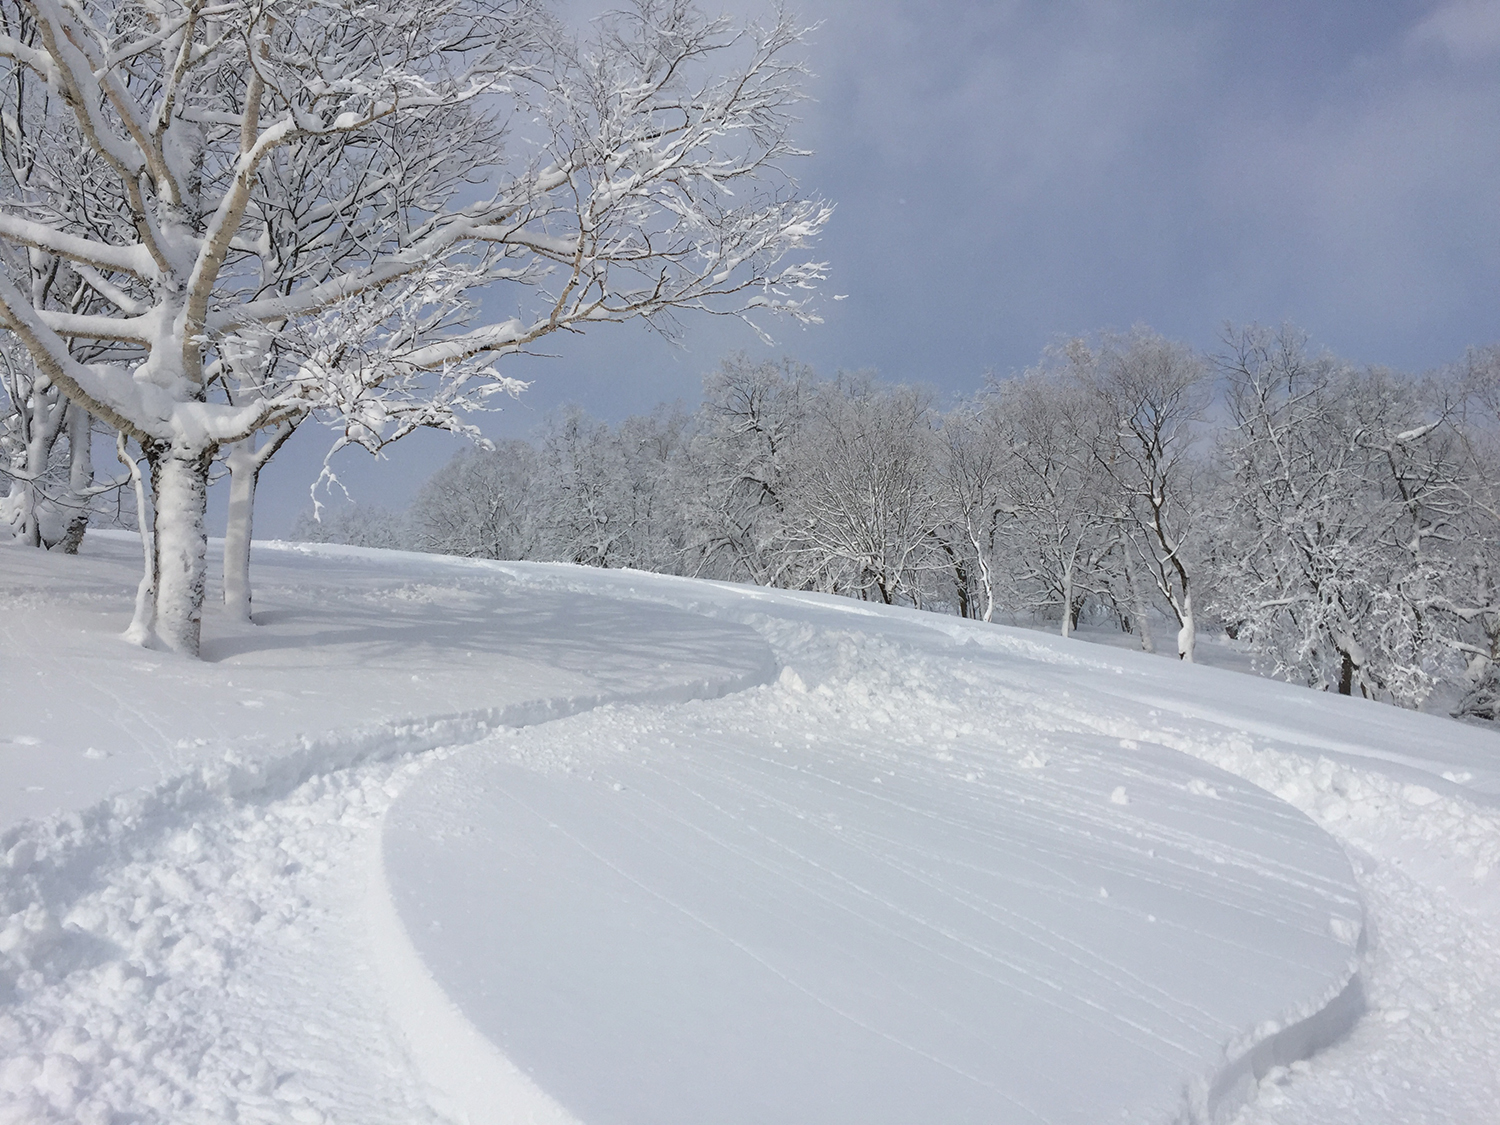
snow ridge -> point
(863, 725)
(1276, 1044)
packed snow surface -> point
(441, 841)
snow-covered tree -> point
(284, 208)
(1060, 515)
(46, 439)
(745, 457)
(612, 496)
(45, 458)
(1152, 393)
(973, 467)
(1293, 581)
(1474, 579)
(357, 525)
(485, 504)
(1340, 511)
(864, 502)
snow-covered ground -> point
(441, 840)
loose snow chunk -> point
(1201, 788)
(1419, 795)
(790, 680)
(1119, 796)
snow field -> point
(898, 895)
(242, 941)
(1428, 1051)
(353, 648)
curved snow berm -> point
(909, 882)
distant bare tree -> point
(1060, 513)
(1153, 394)
(1341, 503)
(745, 455)
(864, 503)
(484, 504)
(974, 465)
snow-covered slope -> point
(347, 642)
(442, 839)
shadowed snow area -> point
(345, 641)
(442, 840)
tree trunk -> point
(1067, 605)
(139, 631)
(244, 472)
(1187, 635)
(38, 447)
(989, 589)
(179, 479)
(1141, 603)
(1346, 674)
(80, 476)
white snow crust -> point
(445, 841)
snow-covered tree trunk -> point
(244, 469)
(179, 478)
(986, 578)
(1187, 631)
(1066, 577)
(38, 449)
(140, 631)
(1140, 605)
(1152, 393)
(45, 415)
(80, 478)
(244, 459)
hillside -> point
(445, 840)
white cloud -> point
(1466, 29)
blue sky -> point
(1007, 173)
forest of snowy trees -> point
(1342, 523)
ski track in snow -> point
(207, 958)
(203, 964)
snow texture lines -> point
(899, 896)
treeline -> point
(1342, 523)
